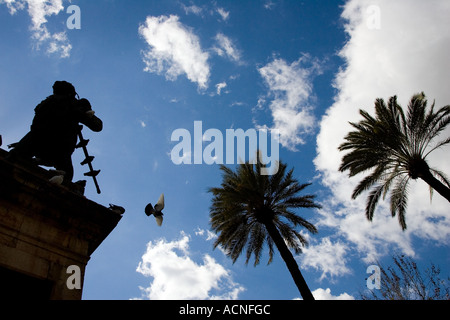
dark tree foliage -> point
(393, 146)
(250, 211)
(404, 281)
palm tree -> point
(395, 147)
(250, 210)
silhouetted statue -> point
(55, 129)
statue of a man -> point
(54, 130)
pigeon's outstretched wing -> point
(159, 219)
(149, 209)
(159, 206)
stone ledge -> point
(44, 227)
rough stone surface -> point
(44, 229)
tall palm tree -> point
(395, 146)
(250, 210)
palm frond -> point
(372, 201)
(368, 181)
(399, 200)
(297, 220)
(256, 242)
(291, 237)
(437, 146)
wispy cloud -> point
(290, 91)
(226, 48)
(177, 276)
(39, 11)
(192, 9)
(223, 13)
(208, 234)
(173, 50)
(220, 86)
(206, 10)
(269, 5)
(325, 294)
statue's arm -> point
(92, 122)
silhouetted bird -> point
(156, 211)
(116, 209)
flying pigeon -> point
(116, 209)
(156, 211)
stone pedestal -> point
(48, 233)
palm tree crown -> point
(251, 210)
(395, 145)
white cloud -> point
(192, 9)
(177, 276)
(237, 103)
(226, 48)
(174, 50)
(199, 232)
(39, 11)
(209, 235)
(269, 5)
(13, 5)
(206, 10)
(400, 51)
(326, 256)
(290, 87)
(220, 86)
(325, 294)
(321, 294)
(223, 13)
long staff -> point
(88, 160)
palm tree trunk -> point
(290, 261)
(435, 184)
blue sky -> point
(302, 67)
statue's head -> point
(64, 88)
